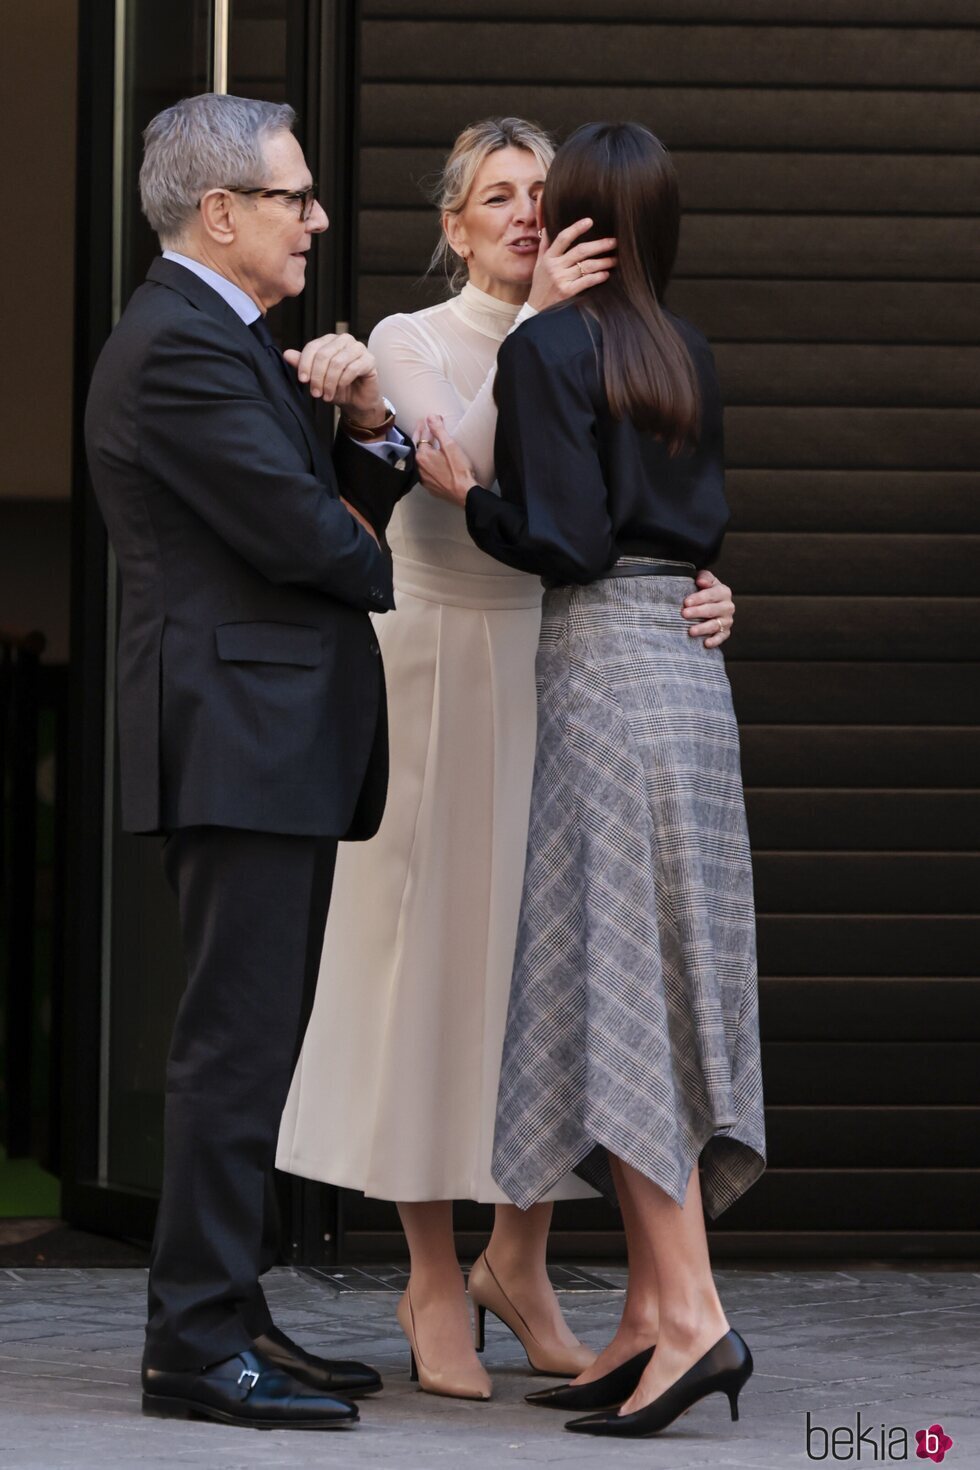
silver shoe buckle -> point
(252, 1377)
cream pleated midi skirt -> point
(396, 1087)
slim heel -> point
(733, 1404)
(481, 1328)
(414, 1376)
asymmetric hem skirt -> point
(632, 1026)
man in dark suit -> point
(252, 725)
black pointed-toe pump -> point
(602, 1393)
(723, 1369)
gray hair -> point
(471, 148)
(201, 143)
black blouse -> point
(580, 489)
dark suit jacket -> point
(250, 687)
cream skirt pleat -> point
(396, 1088)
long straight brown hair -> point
(622, 178)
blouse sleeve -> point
(552, 516)
(413, 374)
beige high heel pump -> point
(454, 1383)
(550, 1358)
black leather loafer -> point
(329, 1375)
(247, 1390)
(607, 1392)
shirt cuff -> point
(393, 449)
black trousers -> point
(253, 906)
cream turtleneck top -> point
(443, 360)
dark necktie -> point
(262, 334)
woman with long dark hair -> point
(632, 1047)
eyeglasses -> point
(306, 198)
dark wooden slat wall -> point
(829, 154)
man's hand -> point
(340, 370)
(712, 610)
(443, 467)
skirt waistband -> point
(495, 591)
(638, 566)
(644, 566)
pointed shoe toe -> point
(549, 1398)
(592, 1424)
(607, 1392)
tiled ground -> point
(901, 1347)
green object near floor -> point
(27, 1189)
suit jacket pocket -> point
(269, 643)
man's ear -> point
(218, 216)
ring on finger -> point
(721, 626)
(581, 268)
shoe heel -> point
(481, 1328)
(741, 1378)
(414, 1375)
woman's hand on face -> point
(565, 269)
(710, 610)
(443, 467)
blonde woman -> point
(396, 1088)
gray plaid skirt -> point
(633, 1019)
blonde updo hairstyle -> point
(469, 152)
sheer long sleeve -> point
(418, 375)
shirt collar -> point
(240, 303)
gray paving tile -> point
(899, 1347)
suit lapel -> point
(274, 381)
(289, 405)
